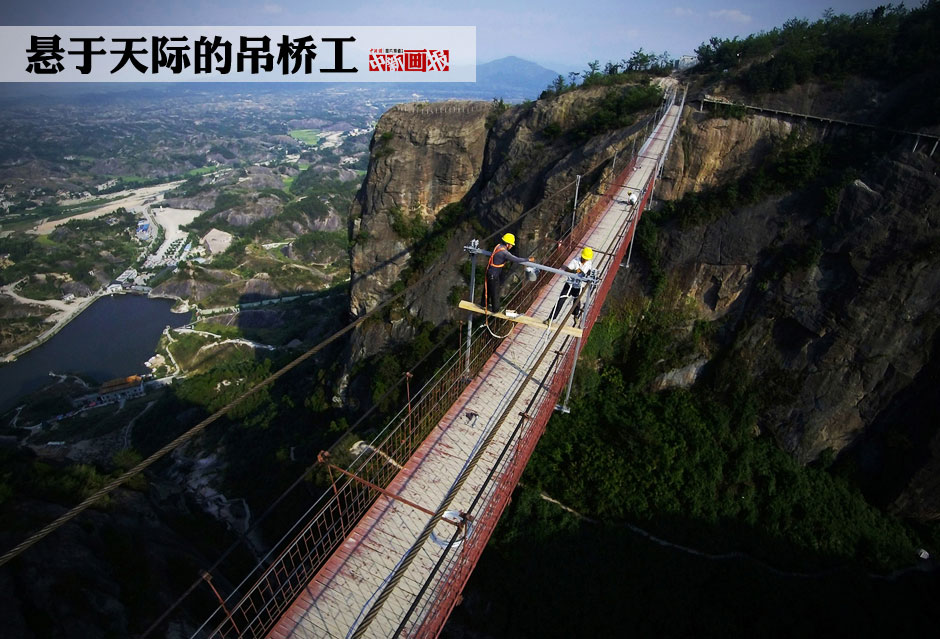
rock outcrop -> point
(845, 330)
(713, 151)
(497, 163)
(424, 157)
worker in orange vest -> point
(494, 270)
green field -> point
(202, 170)
(307, 136)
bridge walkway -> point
(335, 601)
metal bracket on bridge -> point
(460, 520)
(474, 249)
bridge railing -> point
(442, 597)
(260, 600)
(446, 586)
(305, 550)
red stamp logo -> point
(422, 60)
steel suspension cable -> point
(338, 439)
(479, 495)
(195, 430)
(111, 486)
(260, 519)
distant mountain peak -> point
(513, 76)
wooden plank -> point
(519, 319)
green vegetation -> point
(124, 182)
(23, 476)
(224, 201)
(548, 563)
(428, 243)
(726, 111)
(690, 463)
(225, 381)
(193, 185)
(72, 251)
(383, 145)
(202, 170)
(308, 136)
(499, 107)
(318, 245)
(889, 43)
(637, 69)
(225, 152)
(618, 109)
(822, 168)
(311, 182)
(408, 226)
(278, 193)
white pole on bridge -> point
(574, 209)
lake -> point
(112, 338)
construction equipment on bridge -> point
(531, 267)
(515, 317)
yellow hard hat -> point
(509, 238)
(587, 253)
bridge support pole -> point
(563, 407)
(630, 249)
(408, 377)
(574, 209)
(208, 579)
(473, 280)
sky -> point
(559, 34)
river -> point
(111, 338)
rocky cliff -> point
(497, 162)
(424, 157)
(834, 309)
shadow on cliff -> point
(896, 446)
(218, 495)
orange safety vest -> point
(499, 247)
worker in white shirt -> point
(572, 287)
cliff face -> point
(496, 163)
(105, 576)
(424, 157)
(843, 334)
(711, 152)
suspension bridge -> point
(388, 549)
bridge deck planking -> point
(346, 587)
